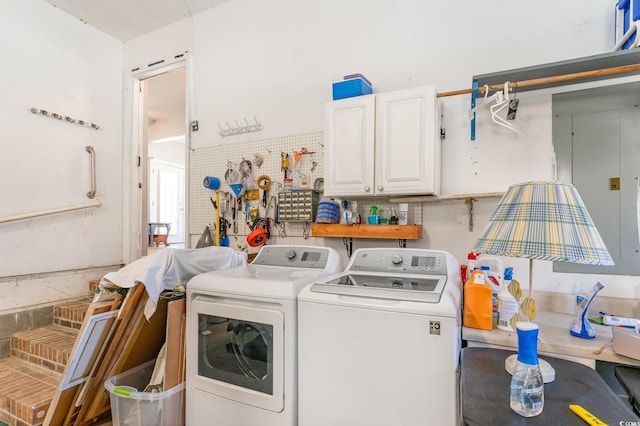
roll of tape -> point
(211, 182)
(257, 237)
(264, 182)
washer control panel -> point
(407, 261)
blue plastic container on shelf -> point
(328, 212)
(373, 219)
(356, 86)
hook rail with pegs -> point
(240, 129)
(64, 118)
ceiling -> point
(128, 19)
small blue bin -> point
(350, 88)
(328, 212)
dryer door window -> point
(236, 351)
(240, 352)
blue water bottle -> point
(527, 385)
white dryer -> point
(242, 337)
(379, 343)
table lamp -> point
(545, 221)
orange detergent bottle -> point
(477, 310)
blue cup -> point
(373, 220)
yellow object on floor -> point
(586, 416)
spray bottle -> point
(527, 385)
(581, 327)
(471, 264)
(507, 304)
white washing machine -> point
(379, 343)
(241, 342)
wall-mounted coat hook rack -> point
(66, 118)
(239, 129)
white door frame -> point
(134, 235)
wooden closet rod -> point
(545, 80)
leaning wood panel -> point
(63, 399)
(175, 343)
(135, 297)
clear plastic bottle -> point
(507, 304)
(527, 385)
(491, 279)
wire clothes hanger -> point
(502, 101)
(513, 124)
(497, 96)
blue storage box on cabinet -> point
(352, 87)
(627, 23)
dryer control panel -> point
(407, 261)
(297, 257)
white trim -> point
(162, 68)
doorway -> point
(164, 162)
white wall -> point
(276, 60)
(172, 152)
(55, 62)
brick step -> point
(30, 377)
(71, 314)
(47, 347)
(26, 391)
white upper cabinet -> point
(383, 144)
(349, 146)
(407, 142)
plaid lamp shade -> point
(543, 220)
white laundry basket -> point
(131, 407)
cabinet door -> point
(407, 142)
(349, 146)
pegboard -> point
(216, 160)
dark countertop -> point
(484, 388)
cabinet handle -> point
(367, 189)
(380, 187)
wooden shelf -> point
(397, 232)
